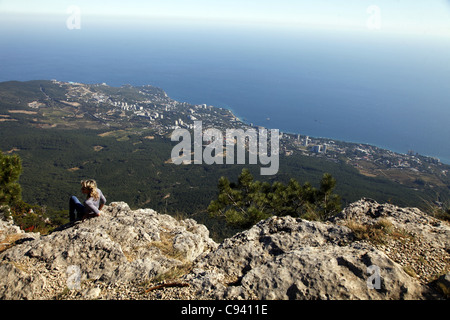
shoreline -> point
(443, 161)
(245, 121)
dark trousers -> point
(76, 209)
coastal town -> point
(150, 108)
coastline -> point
(248, 122)
(245, 120)
(386, 148)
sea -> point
(363, 86)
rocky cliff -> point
(368, 251)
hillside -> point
(141, 254)
(66, 132)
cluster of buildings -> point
(311, 145)
(166, 115)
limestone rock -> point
(287, 258)
(114, 255)
(23, 284)
(121, 245)
(92, 294)
(412, 220)
(443, 284)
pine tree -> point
(247, 202)
(330, 203)
(242, 204)
(10, 170)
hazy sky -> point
(404, 16)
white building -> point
(316, 149)
(306, 142)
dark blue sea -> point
(392, 91)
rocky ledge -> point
(368, 251)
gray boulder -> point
(287, 258)
(412, 220)
(121, 245)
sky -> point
(426, 17)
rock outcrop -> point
(125, 253)
(121, 247)
(413, 239)
(287, 258)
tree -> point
(242, 204)
(330, 203)
(10, 170)
(247, 202)
(28, 217)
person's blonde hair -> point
(91, 185)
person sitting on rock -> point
(95, 200)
